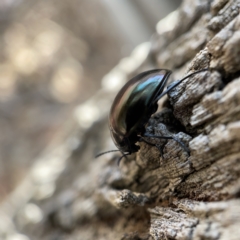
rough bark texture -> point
(69, 195)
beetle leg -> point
(160, 148)
(170, 137)
(173, 85)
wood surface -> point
(149, 196)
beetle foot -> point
(159, 147)
(183, 146)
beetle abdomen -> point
(136, 101)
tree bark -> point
(149, 196)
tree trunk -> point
(149, 196)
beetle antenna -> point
(124, 155)
(100, 154)
(180, 81)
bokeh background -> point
(53, 55)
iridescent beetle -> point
(134, 105)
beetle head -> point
(126, 144)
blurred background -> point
(53, 55)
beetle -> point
(133, 106)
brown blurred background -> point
(53, 55)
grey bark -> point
(149, 196)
